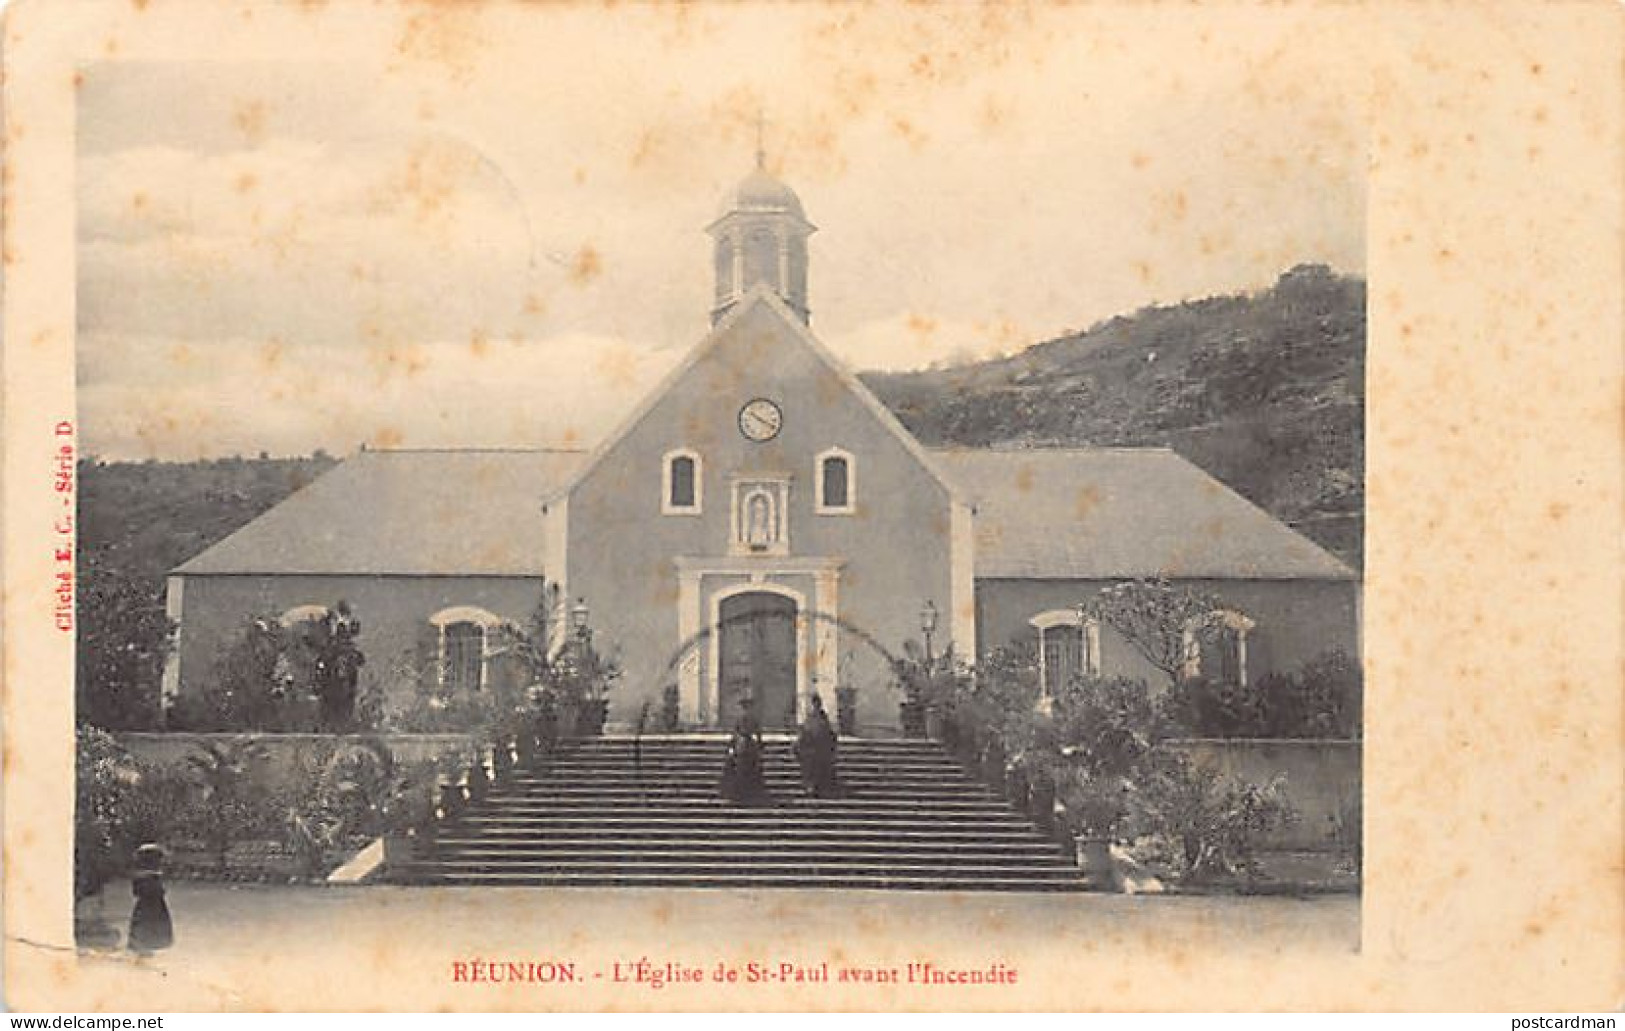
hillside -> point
(1266, 391)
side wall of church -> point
(893, 550)
(1297, 620)
(394, 612)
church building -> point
(761, 527)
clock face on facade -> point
(760, 420)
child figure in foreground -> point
(150, 927)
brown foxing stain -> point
(271, 354)
(586, 266)
(617, 368)
(245, 182)
(909, 133)
(924, 329)
(1024, 478)
(442, 32)
(479, 343)
(392, 359)
(249, 118)
(1087, 500)
(652, 143)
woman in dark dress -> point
(150, 927)
(815, 752)
(742, 778)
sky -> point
(488, 231)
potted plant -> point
(1094, 809)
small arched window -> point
(680, 486)
(1216, 647)
(836, 484)
(1068, 647)
(465, 646)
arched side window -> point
(835, 484)
(681, 482)
(1216, 646)
(301, 613)
(466, 638)
(1068, 646)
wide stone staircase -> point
(615, 811)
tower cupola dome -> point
(761, 237)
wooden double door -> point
(757, 659)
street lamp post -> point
(928, 627)
(915, 705)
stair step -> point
(709, 793)
(823, 854)
(705, 865)
(876, 881)
(712, 773)
(639, 833)
(702, 804)
(603, 812)
(852, 825)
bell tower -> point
(761, 237)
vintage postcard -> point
(802, 507)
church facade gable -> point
(760, 486)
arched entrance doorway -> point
(756, 658)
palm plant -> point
(224, 770)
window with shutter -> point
(463, 648)
(835, 482)
(1063, 655)
(680, 483)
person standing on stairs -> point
(815, 752)
(743, 781)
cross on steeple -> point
(761, 152)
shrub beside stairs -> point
(614, 811)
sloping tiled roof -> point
(1121, 512)
(410, 512)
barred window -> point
(462, 647)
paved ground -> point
(392, 947)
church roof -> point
(759, 191)
(421, 513)
(1108, 513)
